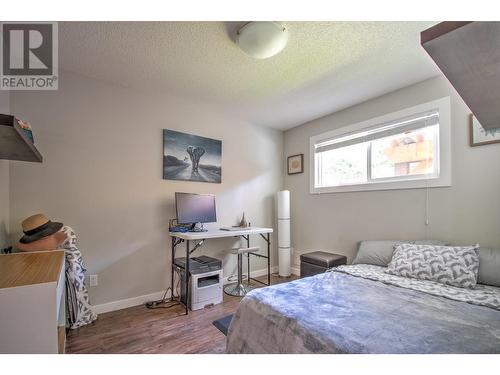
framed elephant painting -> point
(189, 157)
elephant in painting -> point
(195, 153)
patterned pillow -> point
(456, 266)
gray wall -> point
(4, 181)
(466, 213)
(102, 175)
(102, 148)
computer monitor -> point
(195, 208)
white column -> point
(284, 250)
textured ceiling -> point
(325, 67)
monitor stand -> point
(197, 227)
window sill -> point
(393, 185)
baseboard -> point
(128, 302)
(256, 273)
(296, 271)
(139, 300)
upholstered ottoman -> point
(318, 262)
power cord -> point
(166, 303)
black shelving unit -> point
(14, 143)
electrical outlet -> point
(94, 280)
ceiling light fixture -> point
(262, 39)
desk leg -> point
(248, 260)
(268, 240)
(172, 268)
(186, 276)
(268, 259)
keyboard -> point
(232, 228)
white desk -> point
(219, 233)
(200, 237)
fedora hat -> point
(38, 226)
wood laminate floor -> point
(141, 330)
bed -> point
(361, 309)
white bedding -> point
(482, 295)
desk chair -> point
(238, 289)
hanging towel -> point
(79, 310)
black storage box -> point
(318, 262)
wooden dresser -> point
(32, 302)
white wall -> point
(4, 181)
(102, 175)
(466, 213)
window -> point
(406, 149)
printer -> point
(205, 280)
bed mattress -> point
(360, 309)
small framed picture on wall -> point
(480, 136)
(295, 164)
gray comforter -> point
(338, 312)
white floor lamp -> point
(284, 250)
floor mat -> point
(223, 323)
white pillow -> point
(456, 266)
(379, 253)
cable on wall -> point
(427, 191)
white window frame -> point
(411, 182)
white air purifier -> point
(284, 249)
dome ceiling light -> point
(262, 39)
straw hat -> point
(52, 242)
(38, 226)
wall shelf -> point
(468, 54)
(14, 143)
